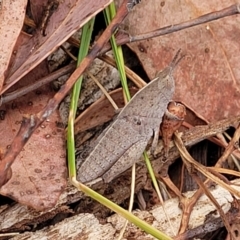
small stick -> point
(229, 149)
(122, 39)
(49, 78)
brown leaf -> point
(37, 8)
(12, 15)
(208, 78)
(66, 19)
(39, 171)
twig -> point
(24, 90)
(125, 38)
(104, 91)
(189, 163)
(229, 149)
(211, 177)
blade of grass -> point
(155, 184)
(124, 213)
(83, 50)
(109, 13)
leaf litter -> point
(11, 19)
(66, 19)
(39, 171)
(6, 115)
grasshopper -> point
(124, 141)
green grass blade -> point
(124, 213)
(109, 13)
(83, 50)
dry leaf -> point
(39, 171)
(208, 80)
(66, 19)
(12, 15)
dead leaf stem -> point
(202, 169)
(229, 149)
(193, 165)
(195, 135)
(187, 159)
(139, 82)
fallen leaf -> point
(39, 171)
(12, 15)
(37, 8)
(208, 79)
(66, 19)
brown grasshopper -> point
(124, 141)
